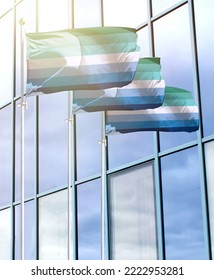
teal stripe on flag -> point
(145, 91)
(178, 113)
(51, 56)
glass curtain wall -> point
(148, 174)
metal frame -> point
(156, 157)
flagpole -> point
(69, 175)
(104, 194)
(22, 167)
(72, 204)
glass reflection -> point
(6, 58)
(29, 145)
(88, 150)
(132, 214)
(204, 24)
(54, 18)
(5, 234)
(143, 42)
(5, 6)
(53, 224)
(53, 141)
(120, 12)
(87, 13)
(5, 155)
(209, 152)
(29, 234)
(125, 148)
(89, 221)
(173, 45)
(159, 6)
(182, 206)
(22, 11)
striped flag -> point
(79, 59)
(145, 91)
(178, 113)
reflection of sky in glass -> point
(182, 206)
(204, 26)
(89, 221)
(29, 150)
(54, 18)
(5, 234)
(172, 44)
(122, 13)
(132, 214)
(53, 226)
(5, 155)
(53, 141)
(6, 59)
(82, 16)
(88, 150)
(159, 6)
(209, 151)
(29, 237)
(22, 11)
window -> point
(132, 214)
(209, 152)
(182, 206)
(53, 224)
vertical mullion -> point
(36, 190)
(13, 113)
(204, 192)
(157, 169)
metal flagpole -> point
(72, 226)
(104, 193)
(70, 120)
(104, 201)
(23, 106)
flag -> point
(178, 113)
(79, 59)
(145, 91)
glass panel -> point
(174, 48)
(29, 224)
(22, 11)
(159, 6)
(204, 25)
(89, 221)
(124, 148)
(5, 234)
(88, 149)
(87, 13)
(143, 42)
(182, 206)
(6, 58)
(120, 12)
(5, 6)
(209, 152)
(132, 214)
(53, 223)
(5, 155)
(29, 146)
(53, 15)
(53, 141)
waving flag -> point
(145, 91)
(79, 59)
(178, 113)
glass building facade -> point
(160, 186)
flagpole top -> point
(22, 21)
